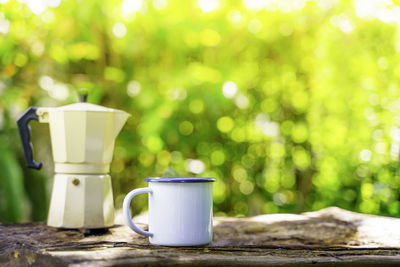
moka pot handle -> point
(25, 134)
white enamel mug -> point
(180, 211)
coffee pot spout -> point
(120, 118)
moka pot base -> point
(81, 201)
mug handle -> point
(127, 213)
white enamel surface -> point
(180, 214)
(83, 136)
(88, 204)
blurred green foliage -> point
(292, 105)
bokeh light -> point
(292, 105)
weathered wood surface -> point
(328, 237)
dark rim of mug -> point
(180, 179)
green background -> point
(291, 105)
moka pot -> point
(82, 139)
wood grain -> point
(330, 236)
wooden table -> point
(330, 236)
